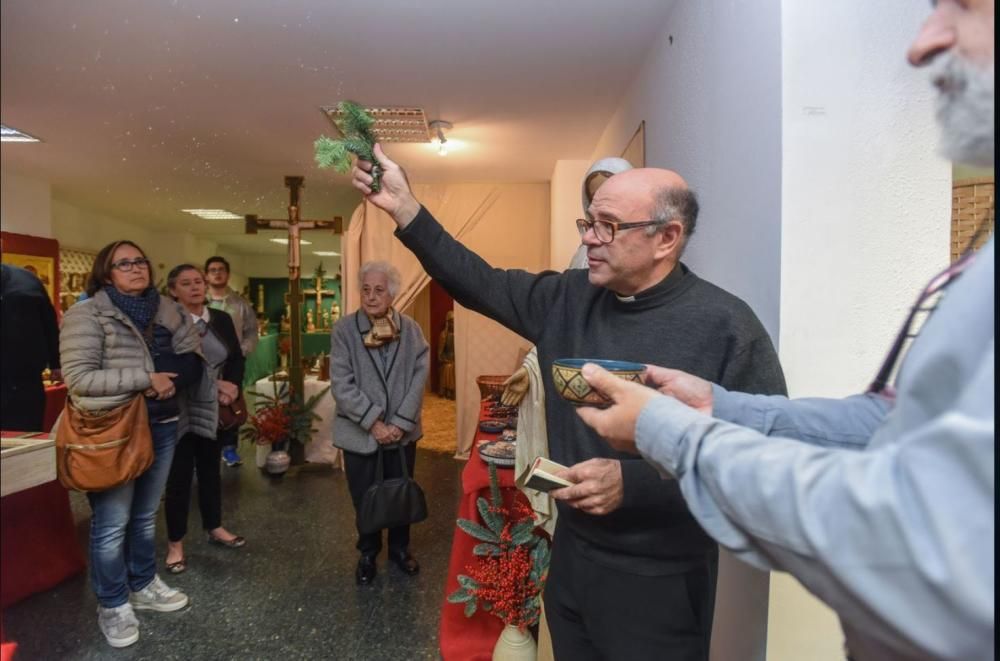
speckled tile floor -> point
(289, 594)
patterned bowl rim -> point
(610, 365)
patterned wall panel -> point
(74, 267)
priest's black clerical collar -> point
(664, 288)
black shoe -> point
(406, 562)
(365, 573)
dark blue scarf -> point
(140, 309)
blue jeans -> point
(123, 526)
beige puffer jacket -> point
(105, 360)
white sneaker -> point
(158, 596)
(118, 625)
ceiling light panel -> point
(213, 214)
(285, 242)
(326, 253)
(391, 124)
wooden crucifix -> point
(294, 225)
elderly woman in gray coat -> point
(123, 341)
(378, 368)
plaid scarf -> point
(383, 331)
(140, 309)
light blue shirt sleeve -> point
(847, 423)
(897, 538)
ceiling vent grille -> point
(391, 124)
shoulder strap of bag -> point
(379, 468)
(402, 461)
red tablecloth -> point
(471, 638)
(38, 546)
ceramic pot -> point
(515, 645)
(572, 387)
(277, 462)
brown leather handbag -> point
(102, 450)
(232, 416)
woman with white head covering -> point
(524, 388)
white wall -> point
(83, 229)
(276, 266)
(865, 221)
(711, 100)
(566, 206)
(28, 207)
(25, 204)
(866, 204)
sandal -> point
(178, 567)
(234, 543)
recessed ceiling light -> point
(213, 214)
(8, 134)
(285, 241)
(326, 253)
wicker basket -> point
(491, 385)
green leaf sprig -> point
(356, 126)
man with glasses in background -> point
(881, 504)
(222, 297)
(632, 574)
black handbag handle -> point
(380, 469)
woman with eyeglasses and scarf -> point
(123, 340)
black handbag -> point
(391, 503)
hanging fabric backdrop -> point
(506, 224)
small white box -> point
(26, 461)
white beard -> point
(964, 109)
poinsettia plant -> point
(278, 418)
(512, 561)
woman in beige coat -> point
(127, 340)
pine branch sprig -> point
(356, 126)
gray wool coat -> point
(105, 360)
(365, 391)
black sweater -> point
(683, 322)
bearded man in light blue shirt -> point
(881, 504)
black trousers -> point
(594, 612)
(193, 453)
(360, 469)
(22, 404)
(228, 437)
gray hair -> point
(672, 203)
(175, 273)
(391, 275)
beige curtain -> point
(370, 235)
(482, 346)
(506, 224)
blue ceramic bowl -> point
(572, 387)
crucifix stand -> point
(294, 227)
